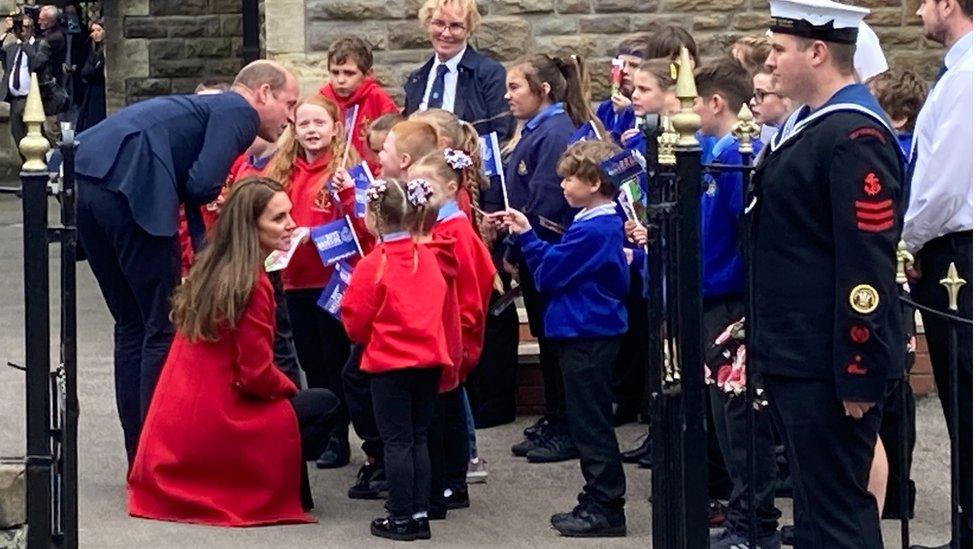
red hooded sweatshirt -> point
(311, 207)
(395, 307)
(475, 277)
(373, 103)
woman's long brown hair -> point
(216, 292)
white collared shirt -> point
(24, 68)
(941, 200)
(603, 209)
(450, 81)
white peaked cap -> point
(821, 19)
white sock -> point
(420, 515)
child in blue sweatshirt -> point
(901, 94)
(584, 278)
(723, 87)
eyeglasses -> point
(760, 95)
(456, 28)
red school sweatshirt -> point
(373, 103)
(444, 250)
(395, 307)
(476, 274)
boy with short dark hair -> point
(723, 87)
(585, 279)
(352, 85)
(901, 93)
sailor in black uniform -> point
(826, 332)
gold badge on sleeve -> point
(864, 299)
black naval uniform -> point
(826, 321)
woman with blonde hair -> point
(224, 438)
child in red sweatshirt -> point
(352, 85)
(446, 170)
(305, 164)
(394, 306)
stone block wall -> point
(298, 32)
(158, 47)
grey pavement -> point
(511, 510)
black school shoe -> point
(535, 436)
(554, 449)
(458, 500)
(370, 483)
(395, 529)
(336, 455)
(588, 522)
(423, 528)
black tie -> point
(437, 90)
(20, 55)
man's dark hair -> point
(727, 79)
(351, 48)
(901, 93)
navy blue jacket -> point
(584, 277)
(723, 272)
(166, 151)
(480, 96)
(533, 184)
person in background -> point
(769, 108)
(92, 75)
(48, 22)
(457, 78)
(751, 52)
(617, 112)
(901, 93)
(376, 135)
(20, 58)
(352, 86)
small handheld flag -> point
(492, 156)
(336, 241)
(278, 260)
(362, 177)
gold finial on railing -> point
(953, 284)
(746, 130)
(685, 121)
(904, 261)
(666, 142)
(34, 146)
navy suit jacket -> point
(166, 151)
(480, 96)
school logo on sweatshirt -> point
(522, 168)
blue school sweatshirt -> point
(584, 277)
(723, 271)
(533, 184)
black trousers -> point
(934, 259)
(285, 356)
(492, 385)
(730, 426)
(323, 349)
(404, 401)
(359, 401)
(899, 407)
(448, 445)
(587, 368)
(552, 381)
(315, 410)
(137, 273)
(830, 458)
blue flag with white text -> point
(362, 177)
(336, 241)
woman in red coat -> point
(224, 436)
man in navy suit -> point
(134, 170)
(457, 78)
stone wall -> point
(158, 47)
(298, 32)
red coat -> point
(311, 208)
(373, 103)
(395, 307)
(476, 275)
(220, 444)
